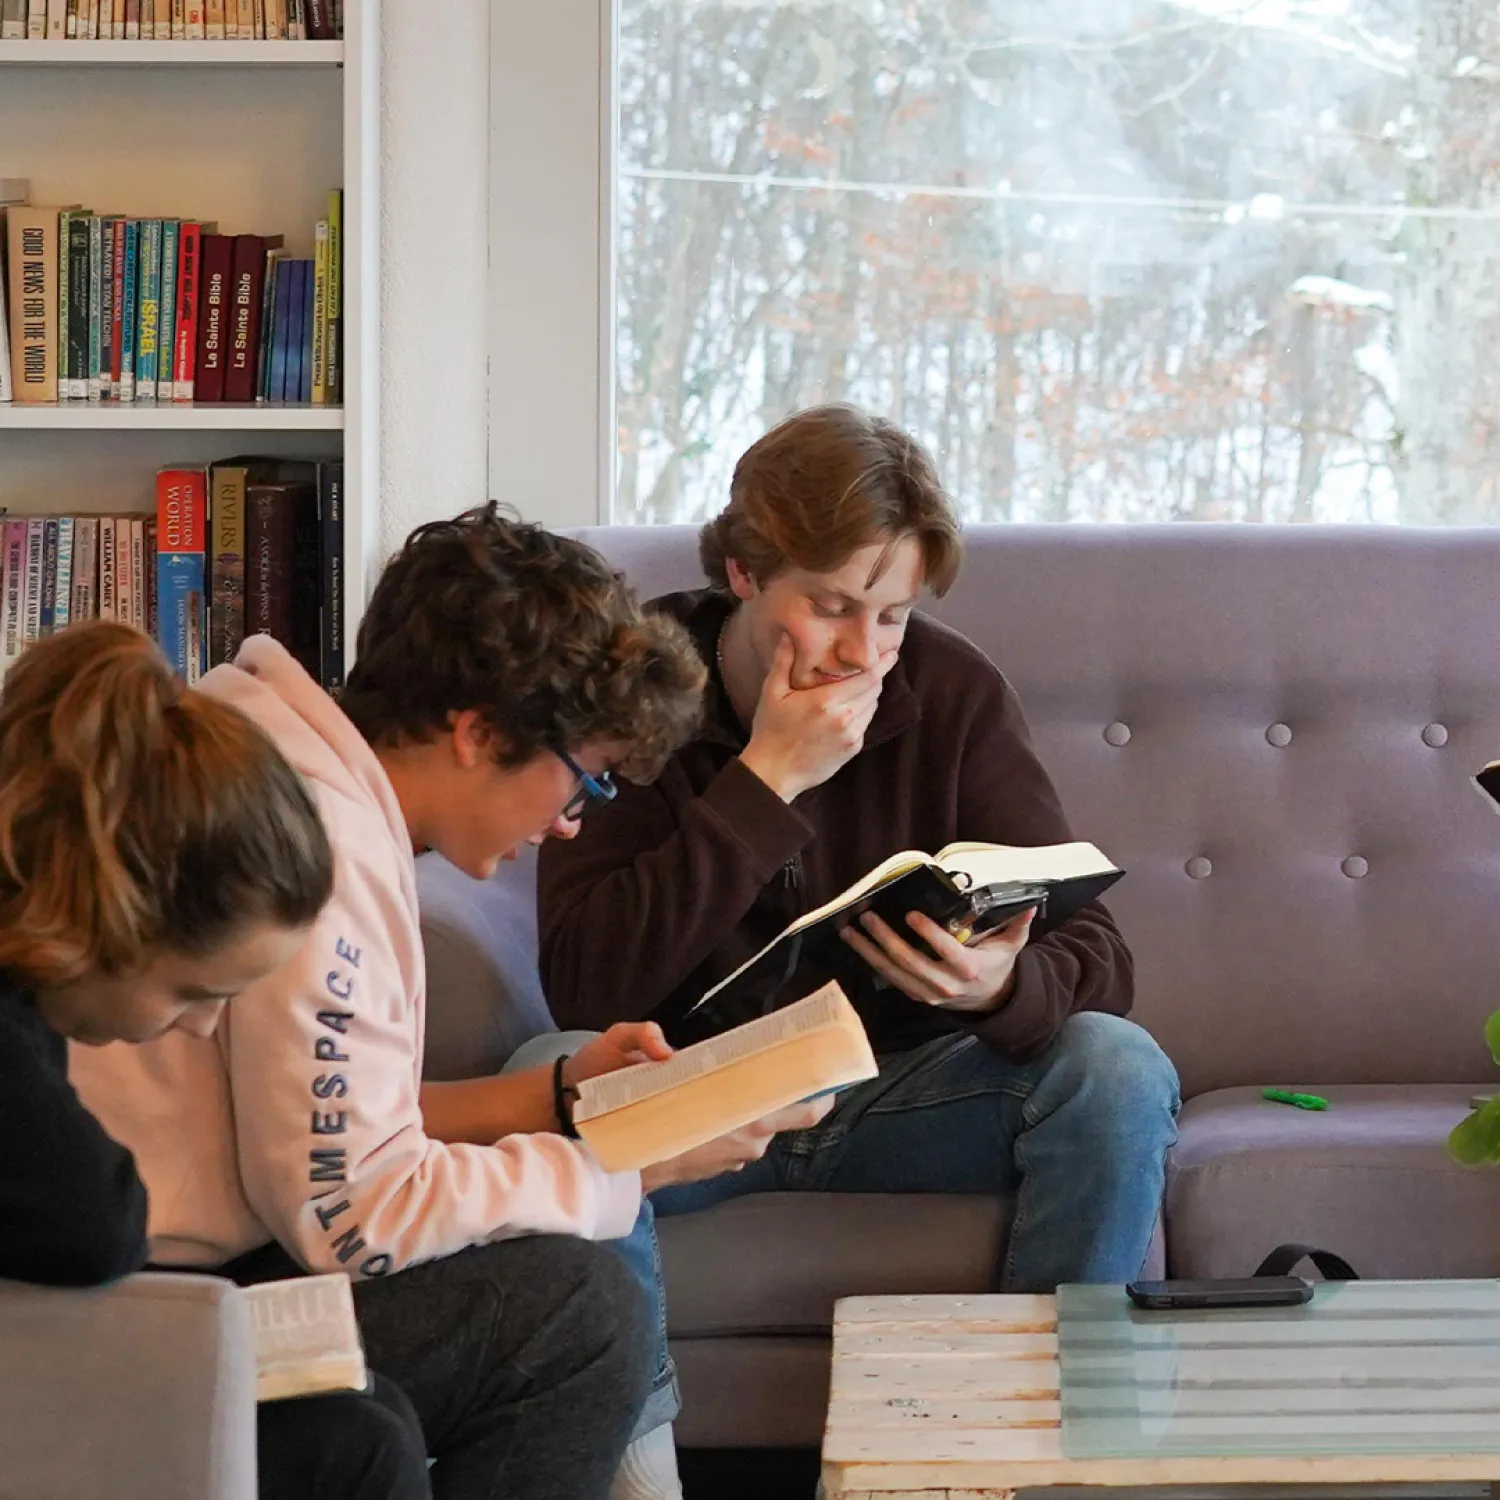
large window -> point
(1112, 260)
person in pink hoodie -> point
(502, 674)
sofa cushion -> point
(777, 1262)
(1369, 1178)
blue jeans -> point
(1078, 1137)
(639, 1249)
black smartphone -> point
(1254, 1291)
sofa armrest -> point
(144, 1390)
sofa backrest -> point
(1272, 730)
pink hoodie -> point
(299, 1120)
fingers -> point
(1013, 933)
(779, 678)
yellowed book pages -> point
(306, 1337)
(31, 235)
(646, 1114)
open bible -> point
(642, 1115)
(307, 1341)
(968, 889)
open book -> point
(642, 1115)
(968, 889)
(306, 1338)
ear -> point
(473, 744)
(740, 581)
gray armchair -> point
(140, 1391)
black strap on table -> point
(1330, 1267)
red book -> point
(117, 319)
(246, 286)
(213, 318)
(320, 20)
(185, 355)
(181, 510)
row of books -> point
(244, 547)
(171, 20)
(102, 307)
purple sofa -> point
(1272, 729)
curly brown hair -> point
(821, 485)
(535, 632)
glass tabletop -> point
(1393, 1367)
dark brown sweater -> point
(672, 886)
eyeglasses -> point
(591, 789)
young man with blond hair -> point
(840, 726)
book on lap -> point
(969, 889)
(645, 1114)
(307, 1341)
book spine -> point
(276, 380)
(245, 10)
(124, 578)
(246, 285)
(295, 341)
(270, 549)
(267, 324)
(31, 234)
(331, 585)
(305, 392)
(153, 621)
(7, 390)
(36, 21)
(130, 311)
(106, 307)
(107, 561)
(226, 613)
(62, 609)
(78, 307)
(319, 21)
(117, 308)
(213, 320)
(49, 577)
(319, 391)
(166, 332)
(163, 12)
(179, 20)
(96, 305)
(86, 569)
(133, 20)
(213, 21)
(14, 587)
(186, 353)
(64, 303)
(148, 22)
(148, 323)
(72, 26)
(259, 22)
(117, 24)
(12, 20)
(197, 21)
(335, 335)
(57, 20)
(31, 596)
(181, 521)
(138, 572)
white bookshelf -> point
(252, 135)
(176, 54)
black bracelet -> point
(560, 1092)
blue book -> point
(307, 332)
(180, 600)
(49, 576)
(291, 389)
(276, 379)
(131, 311)
(148, 296)
(166, 317)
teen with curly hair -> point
(503, 675)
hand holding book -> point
(976, 977)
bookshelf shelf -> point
(176, 54)
(215, 417)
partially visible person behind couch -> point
(840, 727)
(156, 857)
(502, 673)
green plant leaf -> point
(1492, 1035)
(1476, 1138)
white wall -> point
(433, 299)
